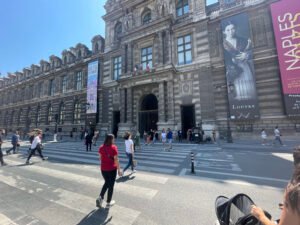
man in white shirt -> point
(277, 136)
(36, 145)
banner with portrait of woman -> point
(240, 75)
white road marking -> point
(286, 156)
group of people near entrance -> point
(166, 137)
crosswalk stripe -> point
(93, 159)
(4, 220)
(136, 191)
(71, 200)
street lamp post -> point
(228, 132)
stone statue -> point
(127, 21)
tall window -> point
(50, 112)
(146, 17)
(39, 89)
(61, 113)
(182, 7)
(184, 50)
(77, 112)
(19, 117)
(64, 84)
(118, 31)
(117, 67)
(146, 57)
(79, 81)
(51, 87)
(38, 115)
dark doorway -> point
(187, 118)
(148, 114)
(116, 121)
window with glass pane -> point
(118, 31)
(79, 81)
(117, 67)
(184, 50)
(51, 88)
(50, 111)
(64, 84)
(182, 7)
(146, 57)
(77, 113)
(147, 17)
(62, 114)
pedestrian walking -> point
(163, 137)
(1, 154)
(263, 136)
(36, 145)
(129, 152)
(88, 141)
(145, 136)
(137, 142)
(95, 137)
(214, 135)
(170, 138)
(179, 135)
(14, 142)
(277, 135)
(108, 156)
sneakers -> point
(45, 158)
(133, 171)
(99, 202)
(110, 204)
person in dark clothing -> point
(88, 141)
(14, 142)
(179, 134)
(1, 154)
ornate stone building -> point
(161, 66)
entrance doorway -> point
(187, 118)
(148, 114)
(116, 121)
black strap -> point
(108, 155)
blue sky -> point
(32, 30)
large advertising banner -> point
(92, 86)
(240, 75)
(286, 23)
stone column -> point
(129, 105)
(122, 104)
(158, 50)
(170, 94)
(168, 46)
(161, 103)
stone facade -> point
(146, 81)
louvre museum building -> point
(178, 64)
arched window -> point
(146, 16)
(50, 113)
(77, 112)
(19, 117)
(118, 31)
(182, 7)
(38, 115)
(65, 59)
(61, 118)
(12, 118)
(79, 54)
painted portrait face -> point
(229, 31)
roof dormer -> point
(98, 44)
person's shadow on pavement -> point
(96, 217)
(125, 178)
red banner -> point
(286, 22)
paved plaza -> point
(63, 189)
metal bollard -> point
(192, 163)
